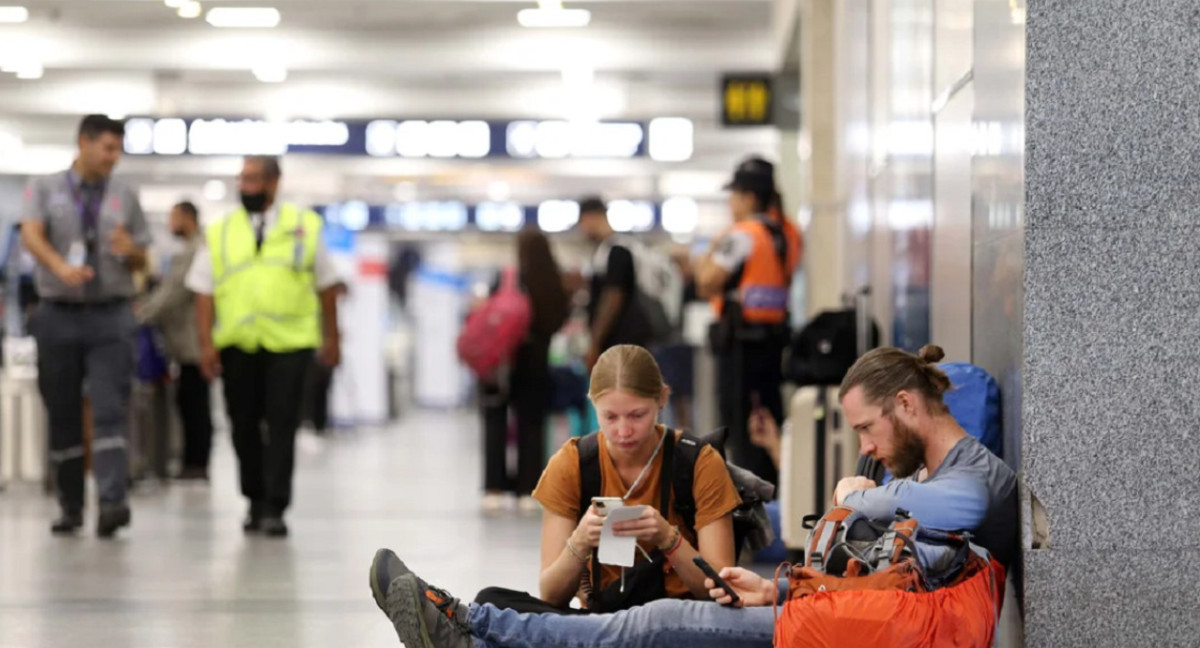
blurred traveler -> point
(527, 387)
(266, 297)
(172, 309)
(88, 234)
(613, 315)
(318, 382)
(747, 275)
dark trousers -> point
(93, 343)
(320, 378)
(522, 602)
(265, 388)
(195, 412)
(754, 371)
(529, 395)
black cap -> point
(754, 174)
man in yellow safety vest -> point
(266, 299)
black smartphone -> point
(720, 582)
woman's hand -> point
(649, 527)
(587, 533)
(754, 590)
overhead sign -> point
(470, 139)
(746, 100)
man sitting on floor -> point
(892, 399)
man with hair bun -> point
(946, 478)
(893, 399)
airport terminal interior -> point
(291, 281)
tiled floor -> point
(184, 575)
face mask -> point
(254, 202)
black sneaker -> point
(385, 568)
(274, 527)
(426, 616)
(67, 524)
(112, 518)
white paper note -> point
(614, 549)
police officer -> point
(266, 298)
(747, 274)
(88, 233)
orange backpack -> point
(857, 591)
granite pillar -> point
(1112, 321)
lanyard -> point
(89, 210)
(642, 475)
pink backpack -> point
(495, 330)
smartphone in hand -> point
(717, 580)
(605, 504)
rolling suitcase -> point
(818, 450)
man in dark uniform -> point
(88, 233)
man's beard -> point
(908, 454)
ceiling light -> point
(680, 215)
(30, 71)
(175, 4)
(578, 75)
(671, 139)
(215, 190)
(499, 191)
(10, 143)
(554, 17)
(13, 14)
(189, 10)
(243, 17)
(270, 72)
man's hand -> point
(75, 276)
(121, 243)
(764, 432)
(331, 353)
(850, 485)
(210, 363)
(754, 590)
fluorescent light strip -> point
(243, 17)
(554, 17)
(189, 10)
(13, 14)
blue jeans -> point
(669, 623)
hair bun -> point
(932, 353)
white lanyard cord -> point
(642, 475)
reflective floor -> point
(184, 575)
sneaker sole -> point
(378, 575)
(410, 621)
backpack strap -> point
(589, 487)
(682, 476)
(589, 471)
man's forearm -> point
(34, 239)
(611, 301)
(329, 315)
(204, 320)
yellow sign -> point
(746, 101)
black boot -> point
(67, 523)
(254, 519)
(111, 519)
(274, 527)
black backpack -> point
(825, 349)
(751, 526)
